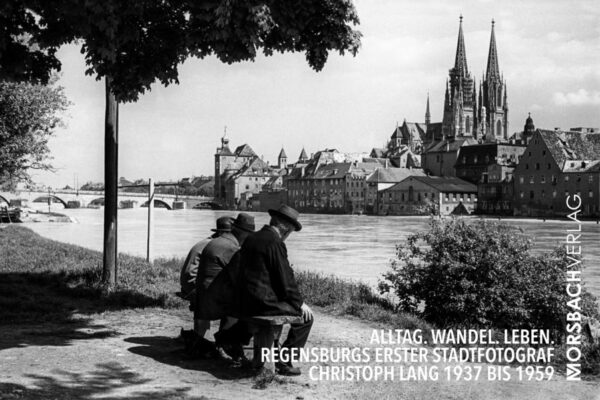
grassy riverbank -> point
(47, 280)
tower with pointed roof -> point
(493, 106)
(303, 157)
(460, 102)
(427, 113)
(282, 159)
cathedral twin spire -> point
(462, 116)
(460, 62)
(492, 63)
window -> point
(590, 178)
(554, 193)
(549, 166)
(537, 166)
(531, 179)
(526, 166)
(543, 152)
(543, 179)
(475, 159)
(531, 194)
(566, 178)
(543, 194)
(521, 195)
(521, 179)
(591, 193)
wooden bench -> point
(265, 330)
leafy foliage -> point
(21, 57)
(480, 274)
(29, 114)
(138, 42)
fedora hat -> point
(223, 224)
(244, 222)
(288, 214)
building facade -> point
(474, 161)
(422, 195)
(557, 164)
(381, 179)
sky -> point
(548, 50)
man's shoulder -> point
(198, 247)
(223, 242)
(263, 238)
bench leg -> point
(264, 337)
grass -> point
(340, 297)
(42, 279)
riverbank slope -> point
(61, 337)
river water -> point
(351, 247)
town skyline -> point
(353, 104)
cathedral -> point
(481, 115)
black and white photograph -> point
(320, 199)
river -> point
(348, 246)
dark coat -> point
(215, 256)
(267, 282)
(221, 298)
(189, 270)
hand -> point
(307, 313)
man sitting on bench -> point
(267, 282)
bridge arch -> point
(97, 202)
(158, 204)
(4, 199)
(45, 198)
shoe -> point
(220, 354)
(201, 348)
(287, 369)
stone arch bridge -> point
(82, 199)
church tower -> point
(427, 114)
(282, 159)
(493, 107)
(460, 102)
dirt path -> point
(132, 354)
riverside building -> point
(556, 164)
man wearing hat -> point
(187, 277)
(267, 282)
(215, 256)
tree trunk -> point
(111, 145)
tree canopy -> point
(29, 114)
(138, 42)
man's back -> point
(268, 286)
(189, 270)
(215, 256)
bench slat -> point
(273, 320)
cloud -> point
(578, 98)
